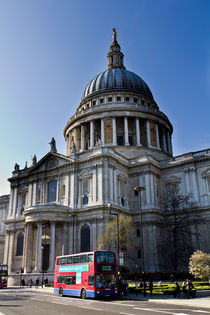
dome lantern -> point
(115, 56)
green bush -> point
(49, 285)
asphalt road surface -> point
(25, 302)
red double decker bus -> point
(92, 274)
(3, 276)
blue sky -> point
(51, 49)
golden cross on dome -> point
(114, 35)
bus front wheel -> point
(83, 294)
(61, 291)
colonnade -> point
(161, 142)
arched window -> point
(20, 239)
(85, 238)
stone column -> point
(11, 251)
(169, 142)
(164, 139)
(34, 194)
(82, 138)
(148, 134)
(30, 189)
(138, 139)
(52, 246)
(27, 256)
(147, 188)
(65, 238)
(6, 248)
(152, 189)
(111, 183)
(91, 134)
(126, 130)
(102, 132)
(11, 202)
(187, 181)
(114, 129)
(15, 203)
(75, 138)
(157, 136)
(38, 247)
(195, 184)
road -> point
(25, 302)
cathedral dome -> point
(119, 80)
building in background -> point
(4, 205)
(117, 140)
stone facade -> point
(118, 139)
(4, 204)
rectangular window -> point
(118, 99)
(73, 280)
(76, 260)
(61, 279)
(58, 261)
(101, 100)
(83, 259)
(139, 253)
(91, 281)
(69, 260)
(63, 261)
(90, 258)
(109, 99)
(52, 191)
(142, 101)
(94, 103)
(127, 99)
(137, 232)
(68, 280)
(135, 100)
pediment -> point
(84, 174)
(50, 161)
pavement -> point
(202, 300)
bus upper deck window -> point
(63, 261)
(83, 258)
(90, 258)
(58, 261)
(69, 260)
(76, 259)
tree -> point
(109, 240)
(179, 217)
(199, 265)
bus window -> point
(68, 280)
(76, 259)
(63, 261)
(69, 260)
(58, 261)
(83, 258)
(91, 281)
(61, 279)
(73, 280)
(104, 257)
(90, 258)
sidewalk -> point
(199, 301)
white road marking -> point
(2, 313)
(126, 313)
(90, 308)
(181, 313)
(153, 310)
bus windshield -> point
(105, 257)
(105, 280)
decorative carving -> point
(26, 164)
(51, 163)
(34, 160)
(16, 167)
(53, 146)
(114, 36)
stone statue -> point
(114, 36)
(17, 167)
(53, 146)
(34, 160)
(98, 142)
(26, 164)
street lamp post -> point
(139, 189)
(118, 236)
